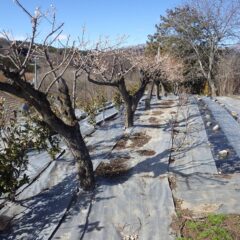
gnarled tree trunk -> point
(71, 133)
(129, 115)
(157, 83)
(82, 157)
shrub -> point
(16, 140)
(117, 100)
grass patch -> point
(166, 103)
(212, 227)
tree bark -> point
(163, 92)
(82, 157)
(151, 91)
(176, 88)
(129, 115)
(71, 133)
(157, 83)
(212, 87)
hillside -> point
(149, 181)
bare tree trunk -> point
(151, 91)
(129, 112)
(162, 89)
(149, 97)
(210, 71)
(212, 85)
(71, 133)
(176, 88)
(158, 90)
(74, 93)
(82, 157)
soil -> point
(172, 182)
(121, 144)
(167, 102)
(153, 120)
(146, 152)
(157, 113)
(136, 140)
(139, 140)
(5, 223)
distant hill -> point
(4, 42)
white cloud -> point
(62, 37)
(11, 36)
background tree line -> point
(203, 35)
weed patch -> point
(214, 226)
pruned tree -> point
(228, 74)
(114, 67)
(56, 110)
(172, 71)
(204, 26)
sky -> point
(102, 18)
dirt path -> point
(199, 187)
(137, 204)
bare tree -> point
(203, 26)
(220, 24)
(112, 67)
(56, 110)
(228, 73)
(172, 71)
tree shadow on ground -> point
(42, 211)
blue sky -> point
(134, 18)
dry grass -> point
(121, 144)
(139, 140)
(157, 113)
(135, 140)
(172, 182)
(29, 77)
(167, 102)
(115, 168)
(153, 120)
(146, 152)
(2, 78)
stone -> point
(208, 116)
(208, 124)
(216, 127)
(223, 153)
(234, 114)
